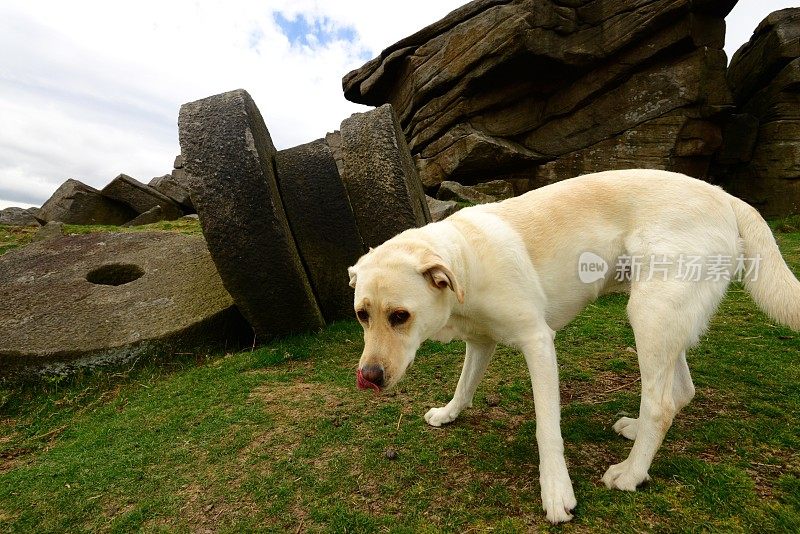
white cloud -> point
(92, 89)
(89, 89)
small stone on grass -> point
(493, 399)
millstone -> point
(322, 222)
(77, 203)
(229, 155)
(140, 197)
(103, 298)
(380, 176)
(283, 227)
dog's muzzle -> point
(370, 377)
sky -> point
(92, 89)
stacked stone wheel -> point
(229, 155)
(380, 176)
(284, 226)
(322, 222)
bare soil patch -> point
(600, 388)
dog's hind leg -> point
(667, 318)
(475, 363)
(682, 393)
(558, 498)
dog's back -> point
(639, 215)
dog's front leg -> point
(558, 499)
(475, 363)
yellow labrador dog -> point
(516, 271)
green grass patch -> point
(278, 439)
(790, 224)
(12, 237)
(184, 226)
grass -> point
(278, 439)
(12, 237)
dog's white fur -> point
(508, 273)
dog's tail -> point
(766, 276)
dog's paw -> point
(441, 416)
(558, 499)
(627, 427)
(620, 476)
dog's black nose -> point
(373, 374)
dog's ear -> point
(440, 275)
(351, 271)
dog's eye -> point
(399, 317)
(363, 316)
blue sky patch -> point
(304, 32)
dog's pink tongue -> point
(363, 383)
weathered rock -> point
(774, 44)
(140, 197)
(379, 174)
(739, 135)
(462, 193)
(652, 144)
(77, 203)
(229, 156)
(481, 193)
(106, 298)
(153, 215)
(506, 87)
(322, 222)
(182, 180)
(497, 189)
(761, 158)
(462, 153)
(441, 209)
(51, 230)
(18, 217)
(172, 186)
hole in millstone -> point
(115, 274)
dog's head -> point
(404, 294)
